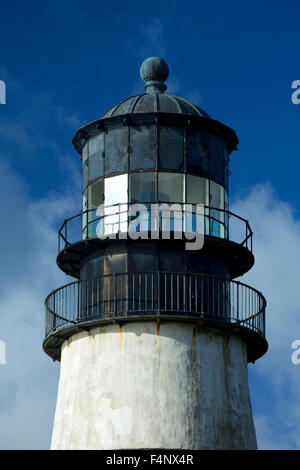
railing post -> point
(54, 314)
(264, 319)
(158, 293)
(78, 302)
(237, 300)
(127, 295)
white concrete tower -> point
(155, 335)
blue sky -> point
(65, 63)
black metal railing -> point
(116, 219)
(154, 294)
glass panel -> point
(84, 216)
(85, 163)
(95, 199)
(116, 141)
(143, 147)
(96, 149)
(217, 218)
(216, 148)
(197, 192)
(142, 187)
(216, 195)
(170, 187)
(198, 152)
(116, 199)
(171, 148)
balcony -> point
(226, 235)
(205, 300)
(115, 219)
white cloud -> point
(29, 241)
(276, 273)
(154, 41)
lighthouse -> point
(155, 334)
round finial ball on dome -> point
(154, 69)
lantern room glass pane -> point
(217, 204)
(170, 187)
(95, 199)
(197, 192)
(116, 149)
(170, 148)
(143, 147)
(217, 164)
(96, 148)
(116, 204)
(171, 190)
(216, 195)
(142, 187)
(198, 156)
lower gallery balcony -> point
(207, 301)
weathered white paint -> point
(144, 386)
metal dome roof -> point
(172, 109)
(155, 102)
(154, 72)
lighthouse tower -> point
(155, 334)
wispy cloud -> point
(150, 40)
(153, 39)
